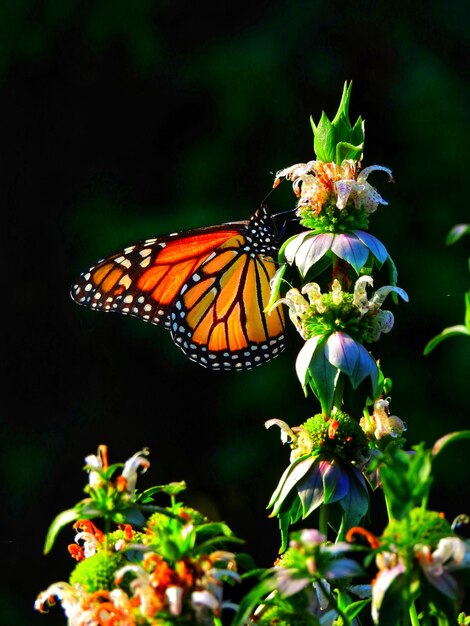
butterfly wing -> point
(208, 285)
(218, 319)
(144, 280)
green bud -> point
(97, 572)
(419, 527)
(337, 140)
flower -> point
(420, 546)
(381, 424)
(317, 183)
(451, 554)
(322, 471)
(298, 589)
(334, 325)
(334, 204)
(167, 572)
(129, 473)
(312, 251)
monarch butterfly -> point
(209, 286)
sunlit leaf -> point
(451, 331)
(444, 441)
(456, 233)
(289, 479)
(63, 519)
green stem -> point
(339, 392)
(331, 596)
(107, 530)
(414, 615)
(323, 522)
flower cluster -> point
(334, 326)
(145, 564)
(332, 196)
(298, 590)
(172, 570)
(328, 454)
(380, 426)
(419, 548)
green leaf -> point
(276, 283)
(357, 133)
(444, 441)
(170, 489)
(253, 599)
(338, 140)
(294, 473)
(451, 331)
(132, 515)
(355, 504)
(456, 233)
(406, 479)
(392, 604)
(63, 519)
(304, 358)
(346, 150)
(325, 139)
(325, 377)
(354, 608)
(467, 310)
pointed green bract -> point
(338, 140)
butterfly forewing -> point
(208, 285)
(144, 280)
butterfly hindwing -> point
(218, 319)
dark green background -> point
(125, 119)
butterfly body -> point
(209, 286)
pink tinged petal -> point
(313, 537)
(349, 248)
(372, 168)
(342, 351)
(292, 475)
(311, 492)
(204, 598)
(175, 599)
(335, 481)
(380, 295)
(369, 199)
(382, 582)
(294, 244)
(444, 582)
(312, 250)
(343, 190)
(132, 465)
(355, 504)
(450, 550)
(373, 244)
(287, 435)
(343, 568)
(365, 366)
(384, 321)
(287, 584)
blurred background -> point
(122, 120)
